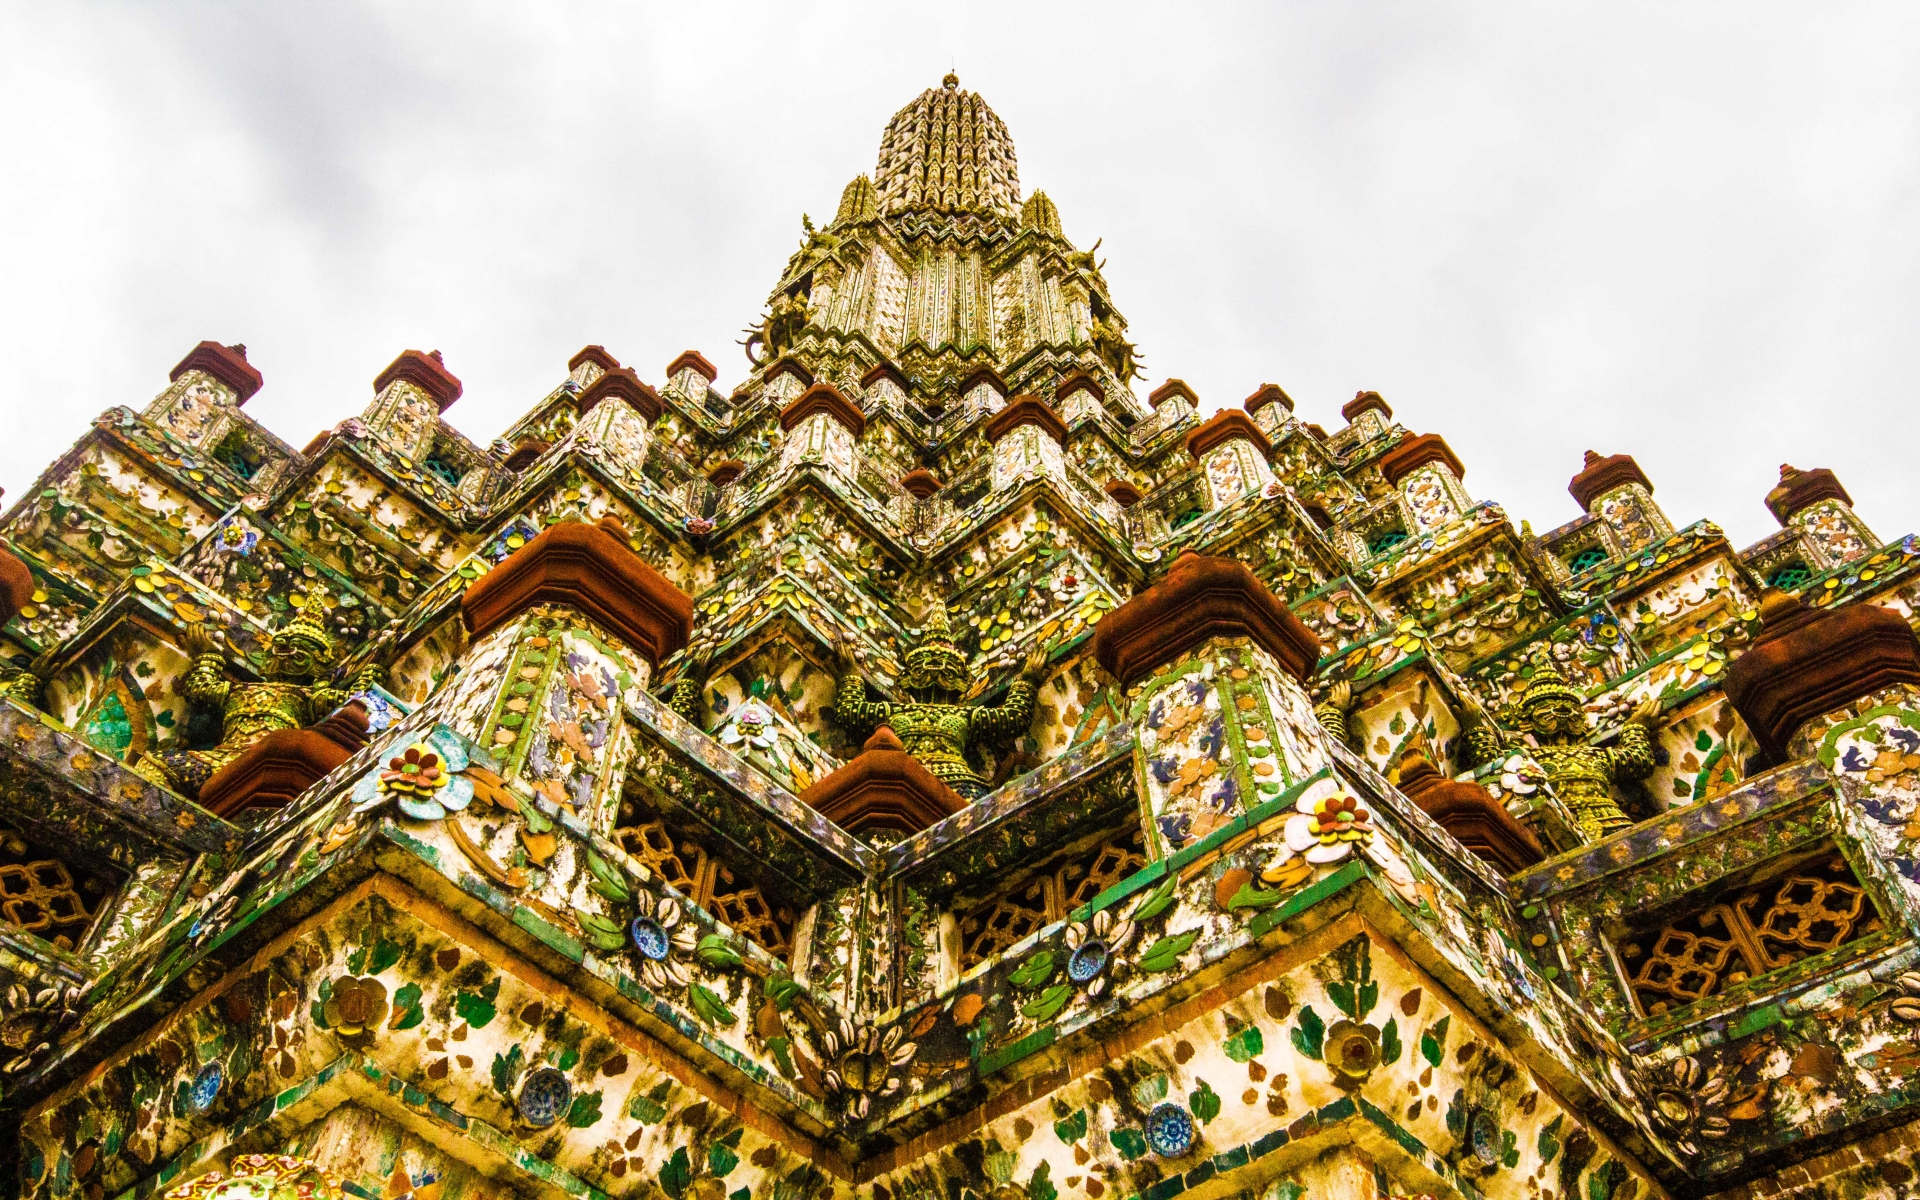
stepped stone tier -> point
(930, 770)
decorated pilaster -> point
(1617, 491)
(821, 428)
(1428, 475)
(1172, 402)
(785, 379)
(1232, 453)
(1079, 397)
(885, 386)
(590, 364)
(1367, 415)
(617, 412)
(982, 391)
(205, 387)
(689, 376)
(1026, 436)
(1213, 666)
(1814, 503)
(409, 397)
(1271, 408)
(564, 632)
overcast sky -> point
(1687, 232)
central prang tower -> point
(935, 268)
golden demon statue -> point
(291, 697)
(935, 727)
(1582, 774)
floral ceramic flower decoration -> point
(750, 726)
(423, 778)
(662, 939)
(865, 1061)
(1327, 825)
(1092, 946)
(236, 539)
(354, 1008)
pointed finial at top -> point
(1788, 471)
(951, 81)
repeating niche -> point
(1061, 884)
(686, 864)
(1793, 908)
(46, 895)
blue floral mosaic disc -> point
(1169, 1130)
(205, 1088)
(649, 938)
(544, 1097)
(1088, 961)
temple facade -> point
(931, 770)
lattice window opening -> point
(686, 864)
(1061, 884)
(1790, 577)
(1800, 907)
(1584, 560)
(47, 896)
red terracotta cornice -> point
(1079, 381)
(622, 384)
(1807, 662)
(1471, 814)
(424, 371)
(16, 586)
(883, 789)
(823, 397)
(1168, 390)
(277, 768)
(697, 361)
(1026, 410)
(1227, 424)
(1124, 494)
(589, 568)
(1361, 402)
(1602, 475)
(986, 375)
(1415, 452)
(1799, 490)
(885, 369)
(1269, 393)
(921, 483)
(593, 354)
(228, 364)
(785, 365)
(1201, 598)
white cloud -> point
(1687, 233)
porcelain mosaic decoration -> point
(931, 769)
